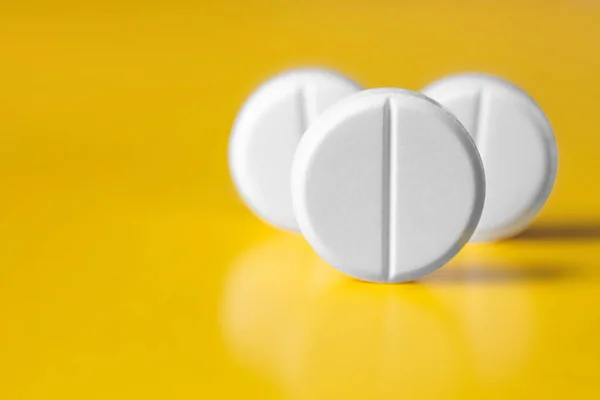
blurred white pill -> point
(387, 185)
(516, 143)
(266, 133)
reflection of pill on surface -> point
(516, 143)
(287, 316)
(266, 133)
(387, 186)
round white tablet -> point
(516, 144)
(387, 186)
(267, 131)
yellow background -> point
(130, 269)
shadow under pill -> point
(561, 232)
(500, 274)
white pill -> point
(387, 185)
(267, 131)
(516, 143)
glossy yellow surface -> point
(129, 268)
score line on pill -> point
(387, 185)
(267, 130)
